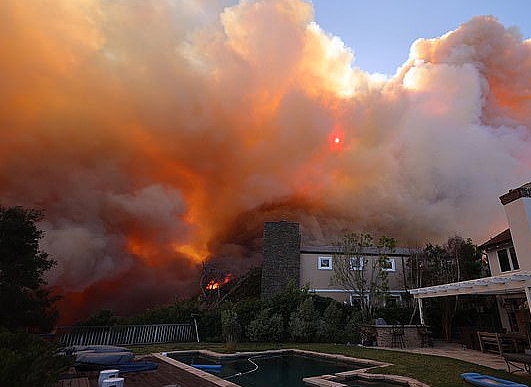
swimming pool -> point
(281, 368)
(268, 370)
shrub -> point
(27, 360)
(332, 323)
(209, 322)
(266, 327)
(303, 322)
(276, 328)
(230, 326)
(353, 327)
(247, 311)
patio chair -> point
(397, 337)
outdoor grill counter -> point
(396, 336)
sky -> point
(156, 136)
(380, 33)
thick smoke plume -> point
(156, 135)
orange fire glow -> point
(212, 284)
(160, 135)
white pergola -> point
(516, 282)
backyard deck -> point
(164, 375)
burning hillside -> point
(157, 135)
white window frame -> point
(396, 297)
(393, 267)
(359, 298)
(509, 258)
(320, 261)
(361, 261)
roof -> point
(502, 238)
(371, 251)
(517, 193)
(514, 282)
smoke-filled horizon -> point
(157, 135)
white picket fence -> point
(126, 334)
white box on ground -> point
(113, 382)
(106, 374)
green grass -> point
(436, 371)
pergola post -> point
(421, 311)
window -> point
(389, 265)
(356, 300)
(514, 260)
(392, 301)
(503, 258)
(325, 263)
(507, 264)
(356, 263)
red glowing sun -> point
(335, 140)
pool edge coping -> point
(317, 381)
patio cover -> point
(515, 282)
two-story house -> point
(286, 260)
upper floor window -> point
(507, 259)
(389, 265)
(356, 263)
(325, 263)
(514, 260)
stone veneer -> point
(384, 335)
(281, 257)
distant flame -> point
(212, 284)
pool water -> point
(269, 370)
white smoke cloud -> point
(158, 134)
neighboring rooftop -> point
(513, 194)
(501, 239)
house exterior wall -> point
(319, 280)
(518, 214)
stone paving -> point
(457, 351)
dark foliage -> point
(27, 360)
(23, 300)
(101, 318)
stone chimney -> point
(281, 257)
(517, 206)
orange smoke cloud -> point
(158, 135)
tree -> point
(457, 260)
(356, 273)
(24, 302)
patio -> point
(456, 351)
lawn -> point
(433, 370)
